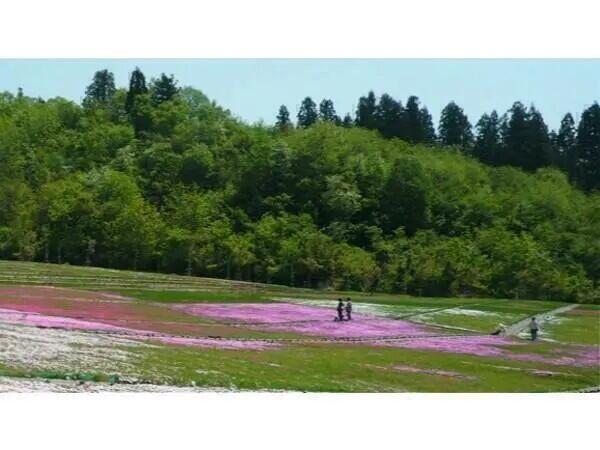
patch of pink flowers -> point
(356, 328)
(45, 321)
(263, 313)
(589, 356)
(88, 309)
(302, 319)
(471, 345)
(492, 346)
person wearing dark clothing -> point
(533, 328)
(348, 309)
(501, 330)
(340, 309)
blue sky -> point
(253, 89)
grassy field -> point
(579, 326)
(92, 325)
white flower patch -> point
(8, 384)
(471, 312)
(54, 349)
(373, 309)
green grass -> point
(57, 375)
(579, 326)
(481, 323)
(336, 368)
(28, 273)
(194, 297)
(319, 367)
(486, 316)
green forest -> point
(158, 177)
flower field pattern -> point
(310, 320)
(106, 313)
(79, 340)
(494, 346)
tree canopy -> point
(175, 183)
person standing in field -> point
(348, 309)
(533, 328)
(340, 310)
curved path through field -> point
(516, 328)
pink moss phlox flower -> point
(303, 319)
(493, 346)
(44, 321)
(40, 320)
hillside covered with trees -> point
(157, 177)
(519, 137)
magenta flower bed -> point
(492, 346)
(41, 320)
(588, 356)
(45, 321)
(303, 319)
(90, 309)
(471, 345)
(357, 328)
(258, 313)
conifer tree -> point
(283, 119)
(539, 146)
(487, 144)
(327, 112)
(455, 128)
(414, 130)
(389, 117)
(101, 89)
(588, 148)
(427, 128)
(366, 116)
(525, 139)
(307, 115)
(566, 141)
(137, 86)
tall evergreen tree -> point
(327, 112)
(588, 148)
(101, 89)
(514, 135)
(389, 117)
(163, 89)
(525, 139)
(414, 126)
(366, 112)
(539, 145)
(565, 145)
(455, 128)
(307, 115)
(283, 119)
(137, 86)
(427, 127)
(487, 143)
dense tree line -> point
(157, 177)
(519, 138)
